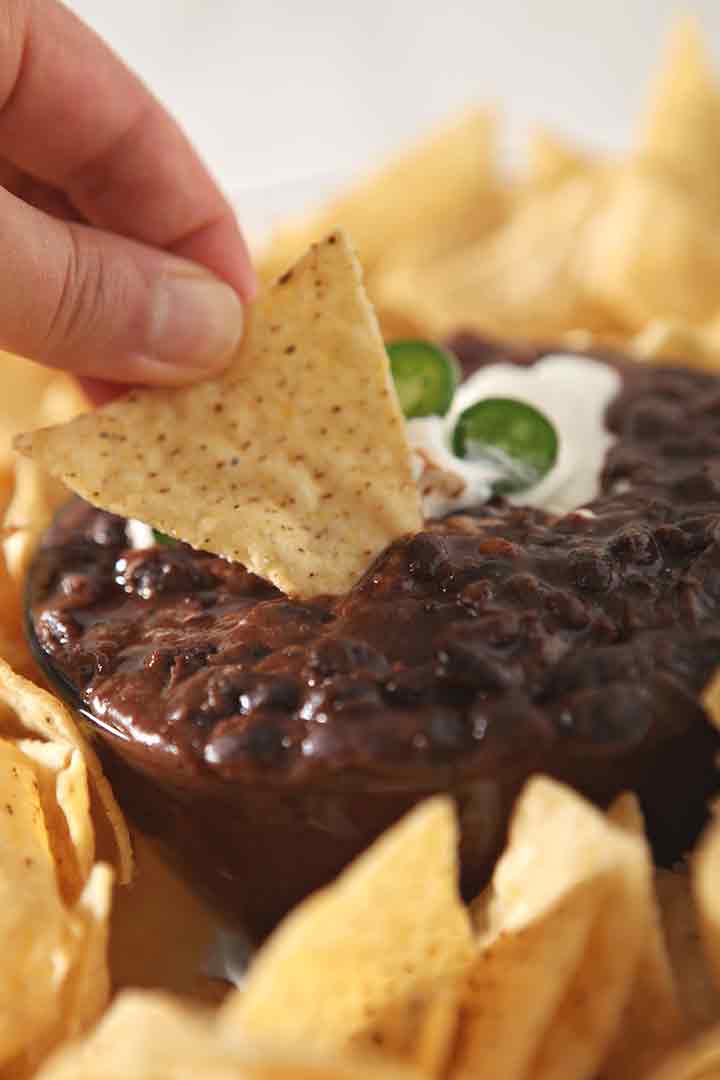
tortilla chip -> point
(29, 388)
(26, 710)
(444, 191)
(652, 1023)
(32, 395)
(681, 132)
(53, 976)
(13, 646)
(295, 462)
(639, 271)
(697, 1060)
(31, 916)
(35, 498)
(24, 385)
(552, 160)
(88, 983)
(711, 699)
(63, 785)
(54, 899)
(522, 282)
(391, 927)
(699, 999)
(418, 1031)
(665, 342)
(150, 1036)
(567, 914)
(706, 888)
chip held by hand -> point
(294, 462)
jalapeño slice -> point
(163, 538)
(512, 434)
(425, 377)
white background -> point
(284, 97)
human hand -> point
(120, 259)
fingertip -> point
(247, 280)
(221, 247)
(251, 285)
(99, 392)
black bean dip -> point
(267, 740)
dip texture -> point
(268, 740)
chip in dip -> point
(294, 462)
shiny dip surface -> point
(253, 729)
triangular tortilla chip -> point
(640, 273)
(391, 927)
(439, 193)
(652, 1023)
(563, 929)
(294, 462)
(682, 128)
(153, 1036)
(523, 281)
(696, 1060)
(552, 159)
(418, 1030)
(26, 710)
(706, 889)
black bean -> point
(611, 717)
(428, 558)
(55, 628)
(160, 571)
(409, 686)
(234, 743)
(342, 694)
(344, 656)
(635, 544)
(592, 569)
(469, 661)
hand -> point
(120, 258)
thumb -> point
(100, 305)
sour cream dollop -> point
(573, 392)
(139, 535)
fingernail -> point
(196, 322)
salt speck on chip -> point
(294, 462)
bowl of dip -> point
(567, 630)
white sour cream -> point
(573, 392)
(139, 535)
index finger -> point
(73, 116)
